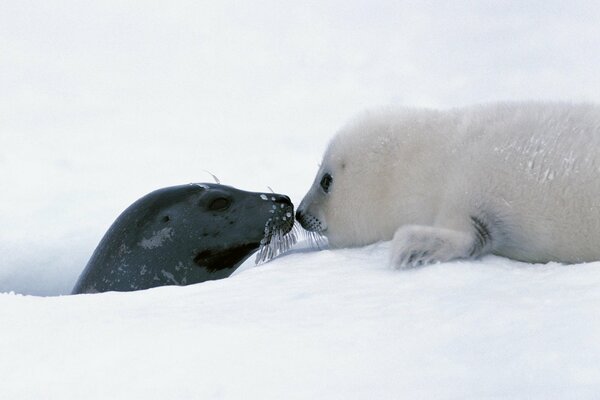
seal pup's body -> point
(519, 180)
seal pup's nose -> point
(301, 218)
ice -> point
(328, 324)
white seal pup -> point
(520, 180)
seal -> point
(182, 235)
(519, 180)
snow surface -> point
(102, 102)
(331, 325)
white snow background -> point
(104, 101)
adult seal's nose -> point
(282, 199)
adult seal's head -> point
(182, 235)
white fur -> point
(529, 172)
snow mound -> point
(330, 324)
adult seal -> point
(182, 235)
(520, 180)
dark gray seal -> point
(182, 235)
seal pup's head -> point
(363, 181)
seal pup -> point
(185, 234)
(519, 180)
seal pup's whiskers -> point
(315, 240)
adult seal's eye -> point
(326, 182)
(219, 204)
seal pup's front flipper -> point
(417, 245)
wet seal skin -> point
(185, 234)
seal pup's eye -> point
(326, 182)
(219, 204)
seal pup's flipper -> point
(417, 245)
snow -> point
(329, 324)
(103, 102)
